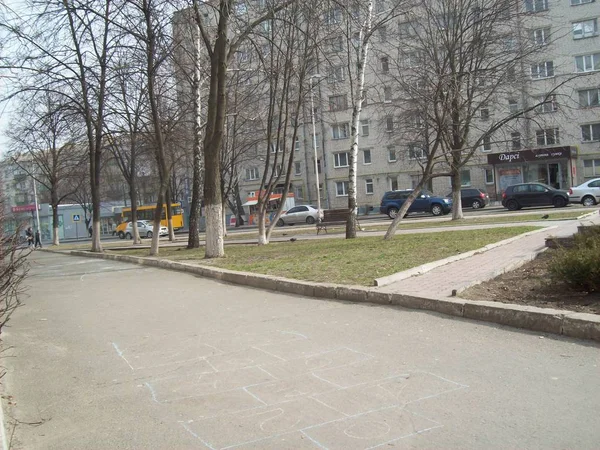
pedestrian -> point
(91, 231)
(29, 235)
(38, 241)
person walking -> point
(37, 239)
(29, 236)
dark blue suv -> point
(392, 201)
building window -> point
(542, 70)
(465, 177)
(366, 156)
(393, 184)
(340, 130)
(337, 74)
(489, 176)
(392, 154)
(387, 94)
(589, 98)
(365, 98)
(341, 189)
(511, 73)
(389, 124)
(364, 127)
(369, 186)
(515, 138)
(513, 106)
(591, 168)
(585, 29)
(252, 174)
(536, 5)
(333, 16)
(549, 136)
(385, 64)
(541, 36)
(406, 30)
(383, 33)
(416, 151)
(340, 159)
(486, 144)
(338, 102)
(297, 168)
(590, 132)
(277, 170)
(484, 113)
(297, 144)
(587, 63)
(547, 105)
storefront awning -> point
(250, 203)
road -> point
(106, 355)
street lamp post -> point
(314, 132)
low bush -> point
(579, 266)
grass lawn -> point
(357, 261)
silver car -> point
(299, 214)
(145, 228)
(588, 193)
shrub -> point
(579, 266)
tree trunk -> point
(409, 201)
(352, 223)
(54, 204)
(157, 218)
(134, 208)
(217, 105)
(198, 158)
(457, 212)
(169, 215)
(263, 239)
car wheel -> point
(559, 202)
(437, 210)
(476, 204)
(121, 235)
(149, 235)
(310, 220)
(128, 235)
(279, 223)
(512, 205)
(588, 200)
(393, 213)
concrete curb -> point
(384, 281)
(576, 325)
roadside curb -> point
(571, 324)
(384, 281)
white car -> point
(145, 228)
(588, 193)
(299, 214)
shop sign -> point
(531, 155)
(23, 208)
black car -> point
(533, 194)
(473, 198)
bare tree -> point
(221, 46)
(457, 59)
(43, 137)
(13, 268)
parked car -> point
(473, 198)
(588, 193)
(299, 214)
(145, 228)
(533, 194)
(426, 202)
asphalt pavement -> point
(108, 355)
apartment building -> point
(557, 142)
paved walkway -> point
(459, 275)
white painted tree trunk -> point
(365, 35)
(171, 230)
(214, 231)
(55, 239)
(96, 243)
